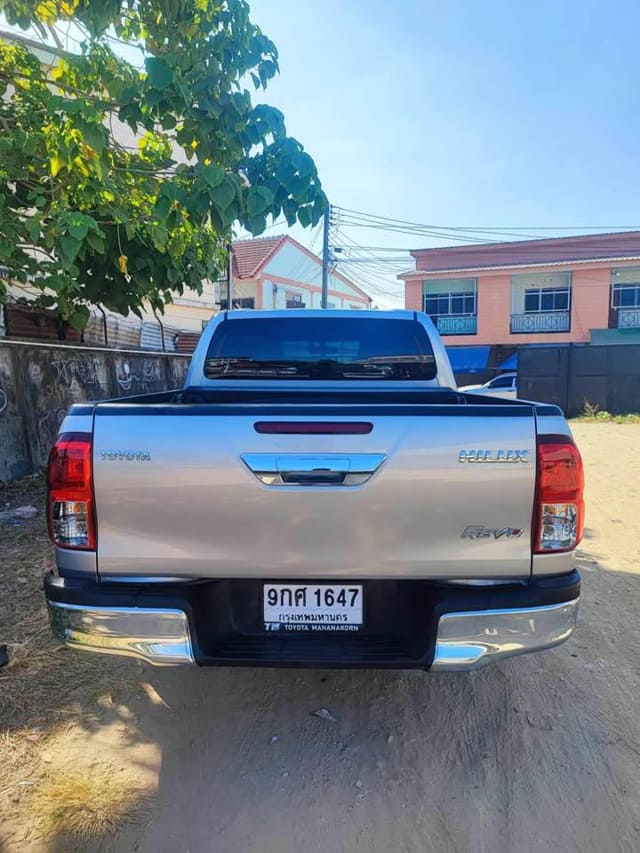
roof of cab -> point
(250, 314)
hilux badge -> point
(510, 455)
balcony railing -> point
(551, 321)
(457, 325)
(629, 318)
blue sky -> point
(465, 112)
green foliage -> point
(119, 185)
(593, 414)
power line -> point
(369, 276)
(370, 221)
(510, 229)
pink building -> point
(557, 290)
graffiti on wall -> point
(150, 373)
(88, 371)
(38, 384)
(48, 426)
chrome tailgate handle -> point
(317, 477)
(293, 469)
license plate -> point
(312, 607)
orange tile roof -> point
(250, 255)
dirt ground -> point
(540, 753)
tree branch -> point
(106, 105)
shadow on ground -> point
(539, 753)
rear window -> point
(320, 348)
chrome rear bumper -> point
(467, 641)
(158, 636)
(410, 625)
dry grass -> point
(88, 803)
(41, 674)
(46, 688)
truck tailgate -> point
(202, 491)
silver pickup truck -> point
(318, 493)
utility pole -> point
(325, 256)
(229, 274)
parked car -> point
(504, 385)
(318, 493)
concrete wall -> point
(38, 383)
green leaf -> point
(96, 242)
(69, 248)
(213, 175)
(170, 190)
(223, 195)
(259, 199)
(128, 94)
(290, 211)
(211, 107)
(159, 236)
(94, 135)
(78, 224)
(33, 226)
(266, 70)
(257, 224)
(168, 122)
(303, 164)
(162, 208)
(159, 74)
(78, 319)
(304, 216)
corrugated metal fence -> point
(24, 322)
(576, 375)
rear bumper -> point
(409, 624)
(468, 641)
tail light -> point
(559, 516)
(70, 492)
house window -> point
(452, 304)
(541, 303)
(455, 297)
(247, 302)
(294, 299)
(539, 299)
(625, 288)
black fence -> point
(577, 375)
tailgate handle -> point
(316, 477)
(293, 469)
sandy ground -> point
(540, 753)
